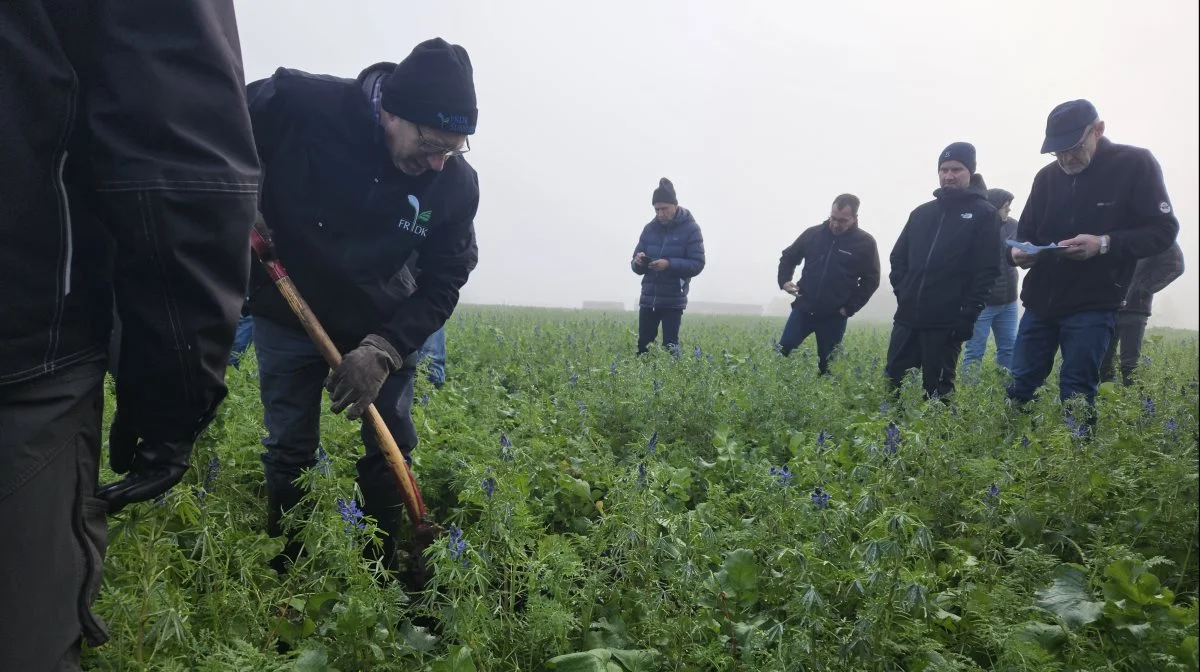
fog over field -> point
(760, 113)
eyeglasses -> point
(434, 149)
(1079, 145)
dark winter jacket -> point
(345, 219)
(840, 272)
(680, 243)
(946, 259)
(136, 170)
(1004, 291)
(1151, 276)
(1121, 194)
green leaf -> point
(740, 572)
(1189, 652)
(1138, 630)
(1130, 580)
(424, 216)
(641, 660)
(313, 660)
(459, 661)
(596, 660)
(1049, 637)
(1069, 597)
(316, 601)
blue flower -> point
(883, 407)
(641, 479)
(892, 439)
(505, 448)
(489, 486)
(210, 477)
(1148, 407)
(351, 514)
(652, 444)
(200, 494)
(323, 461)
(697, 352)
(1171, 425)
(424, 399)
(657, 386)
(504, 442)
(820, 498)
(582, 407)
(993, 490)
(612, 368)
(783, 474)
(573, 380)
(457, 545)
(1025, 441)
(1078, 429)
(822, 437)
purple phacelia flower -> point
(820, 498)
(783, 474)
(351, 515)
(892, 439)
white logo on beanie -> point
(1164, 208)
(967, 215)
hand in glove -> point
(355, 383)
(152, 466)
(964, 326)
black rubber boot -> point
(399, 555)
(279, 501)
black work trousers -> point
(933, 351)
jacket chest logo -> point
(967, 215)
(419, 224)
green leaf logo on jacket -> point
(420, 218)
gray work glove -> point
(355, 383)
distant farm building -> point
(719, 308)
(606, 306)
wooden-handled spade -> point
(260, 241)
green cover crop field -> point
(720, 510)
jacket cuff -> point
(395, 361)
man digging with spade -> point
(357, 176)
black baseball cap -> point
(1066, 124)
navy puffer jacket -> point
(680, 243)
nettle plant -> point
(716, 507)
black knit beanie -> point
(665, 193)
(434, 87)
(963, 152)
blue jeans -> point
(434, 348)
(1083, 338)
(291, 375)
(829, 330)
(241, 340)
(1002, 322)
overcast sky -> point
(760, 113)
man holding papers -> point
(1100, 207)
